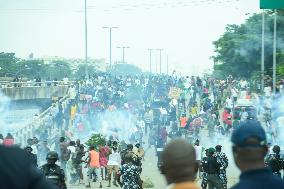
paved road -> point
(150, 169)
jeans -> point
(97, 170)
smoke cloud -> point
(4, 106)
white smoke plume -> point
(119, 123)
(4, 106)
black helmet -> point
(52, 155)
(276, 149)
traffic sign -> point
(271, 4)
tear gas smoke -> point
(4, 106)
(119, 124)
(14, 117)
(277, 112)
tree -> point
(81, 70)
(125, 69)
(238, 50)
(31, 68)
(8, 64)
(58, 69)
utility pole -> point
(123, 52)
(274, 51)
(150, 63)
(262, 51)
(167, 64)
(86, 41)
(110, 43)
(160, 50)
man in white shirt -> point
(198, 151)
(243, 84)
(113, 164)
(65, 80)
(229, 103)
(72, 92)
(234, 92)
(71, 169)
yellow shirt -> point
(194, 110)
(73, 112)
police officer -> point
(211, 167)
(249, 149)
(274, 161)
(32, 157)
(53, 172)
(223, 160)
(203, 174)
(135, 159)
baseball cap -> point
(246, 130)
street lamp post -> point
(123, 52)
(167, 64)
(262, 51)
(150, 63)
(110, 43)
(86, 41)
(274, 51)
(160, 50)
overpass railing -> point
(28, 131)
(11, 84)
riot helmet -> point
(52, 156)
(276, 149)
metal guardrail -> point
(26, 132)
(10, 84)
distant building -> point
(99, 64)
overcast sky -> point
(185, 29)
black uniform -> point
(223, 160)
(33, 159)
(17, 172)
(276, 163)
(55, 174)
(211, 168)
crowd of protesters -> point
(135, 113)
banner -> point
(175, 92)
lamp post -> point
(167, 64)
(150, 56)
(110, 42)
(274, 51)
(262, 52)
(160, 50)
(123, 52)
(86, 41)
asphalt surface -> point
(150, 165)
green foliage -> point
(8, 64)
(125, 69)
(81, 70)
(238, 50)
(31, 68)
(59, 69)
(11, 66)
(96, 140)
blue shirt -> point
(259, 179)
